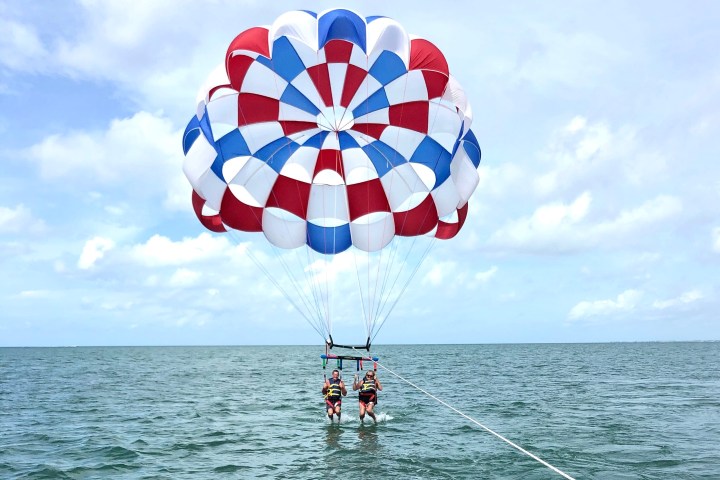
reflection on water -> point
(332, 436)
(368, 437)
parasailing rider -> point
(333, 388)
(368, 386)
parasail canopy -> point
(336, 133)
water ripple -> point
(597, 411)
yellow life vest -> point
(334, 389)
(368, 385)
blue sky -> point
(597, 216)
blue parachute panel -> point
(374, 102)
(472, 148)
(316, 140)
(276, 153)
(192, 132)
(434, 156)
(233, 145)
(383, 157)
(286, 62)
(342, 25)
(292, 96)
(347, 141)
(387, 67)
(328, 240)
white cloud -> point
(115, 210)
(576, 124)
(574, 187)
(484, 277)
(716, 239)
(651, 212)
(553, 57)
(323, 269)
(438, 273)
(497, 181)
(34, 294)
(184, 277)
(178, 193)
(114, 31)
(624, 302)
(684, 299)
(145, 48)
(546, 226)
(20, 47)
(550, 216)
(538, 55)
(590, 156)
(117, 305)
(454, 276)
(142, 150)
(19, 219)
(559, 227)
(94, 250)
(161, 251)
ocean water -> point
(595, 411)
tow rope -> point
(519, 448)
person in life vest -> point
(368, 386)
(334, 389)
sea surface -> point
(595, 411)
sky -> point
(597, 215)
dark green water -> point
(595, 411)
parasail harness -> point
(359, 359)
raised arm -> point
(342, 387)
(377, 383)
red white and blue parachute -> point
(333, 131)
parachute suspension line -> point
(371, 294)
(386, 314)
(390, 290)
(370, 297)
(385, 292)
(325, 266)
(309, 277)
(390, 275)
(312, 283)
(383, 268)
(319, 288)
(279, 255)
(279, 287)
(380, 264)
(381, 289)
(308, 281)
(314, 286)
(515, 446)
(410, 251)
(323, 325)
(412, 247)
(395, 277)
(388, 269)
(294, 282)
(338, 168)
(298, 287)
(312, 276)
(362, 296)
(324, 293)
(374, 260)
